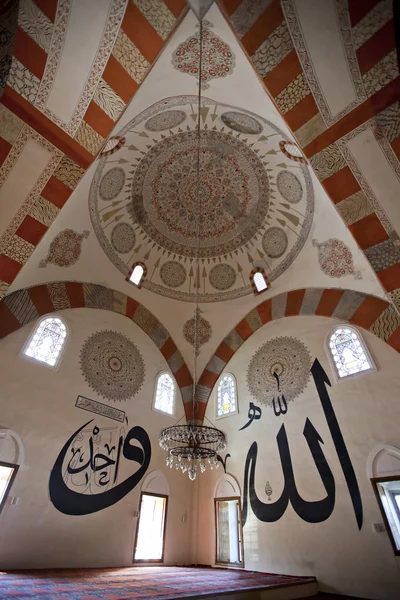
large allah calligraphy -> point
(310, 511)
(84, 478)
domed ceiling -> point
(256, 205)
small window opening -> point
(226, 396)
(8, 473)
(137, 274)
(349, 353)
(164, 397)
(150, 536)
(259, 280)
(387, 491)
(47, 341)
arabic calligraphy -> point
(309, 511)
(88, 482)
(253, 414)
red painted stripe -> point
(31, 230)
(359, 8)
(371, 107)
(131, 307)
(265, 311)
(230, 6)
(168, 348)
(208, 379)
(266, 23)
(341, 185)
(300, 114)
(35, 119)
(41, 299)
(142, 34)
(394, 340)
(328, 302)
(98, 119)
(244, 329)
(29, 53)
(175, 6)
(390, 277)
(48, 7)
(283, 74)
(56, 192)
(369, 310)
(183, 377)
(368, 231)
(119, 80)
(294, 302)
(9, 268)
(378, 46)
(8, 323)
(224, 352)
(75, 294)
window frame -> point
(375, 481)
(32, 334)
(331, 358)
(150, 560)
(153, 407)
(253, 285)
(11, 481)
(128, 278)
(236, 411)
(238, 565)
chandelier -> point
(191, 447)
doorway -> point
(229, 533)
(150, 532)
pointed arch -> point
(362, 310)
(28, 304)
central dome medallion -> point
(233, 192)
(256, 205)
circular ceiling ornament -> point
(241, 122)
(275, 242)
(289, 187)
(166, 120)
(222, 277)
(279, 367)
(123, 238)
(160, 195)
(173, 274)
(112, 183)
(234, 190)
(112, 365)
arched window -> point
(226, 396)
(258, 280)
(165, 394)
(137, 274)
(348, 352)
(47, 341)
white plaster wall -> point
(242, 88)
(39, 404)
(344, 559)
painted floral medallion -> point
(218, 59)
(157, 204)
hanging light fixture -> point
(191, 447)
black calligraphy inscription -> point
(101, 467)
(254, 414)
(309, 511)
(321, 379)
(223, 461)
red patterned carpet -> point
(161, 583)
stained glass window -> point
(164, 399)
(47, 341)
(348, 352)
(226, 396)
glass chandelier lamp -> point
(192, 447)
